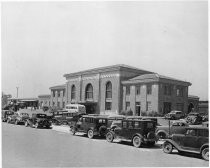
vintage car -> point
(18, 118)
(194, 118)
(176, 127)
(38, 120)
(64, 117)
(175, 115)
(5, 114)
(138, 132)
(195, 140)
(91, 125)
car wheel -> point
(109, 137)
(73, 131)
(205, 153)
(16, 122)
(161, 135)
(167, 147)
(36, 125)
(90, 133)
(137, 141)
(26, 124)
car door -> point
(190, 140)
(127, 132)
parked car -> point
(194, 118)
(66, 117)
(5, 114)
(91, 125)
(18, 118)
(136, 131)
(38, 120)
(175, 115)
(195, 140)
(176, 127)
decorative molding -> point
(110, 75)
(97, 77)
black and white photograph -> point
(104, 84)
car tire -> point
(36, 125)
(109, 137)
(205, 153)
(137, 141)
(167, 147)
(26, 124)
(90, 133)
(8, 121)
(72, 130)
(161, 135)
(16, 122)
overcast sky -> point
(42, 41)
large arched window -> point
(73, 92)
(108, 100)
(89, 91)
(109, 90)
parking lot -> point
(29, 147)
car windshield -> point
(41, 115)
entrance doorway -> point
(91, 108)
(190, 107)
(138, 109)
(166, 107)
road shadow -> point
(127, 143)
(186, 154)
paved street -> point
(30, 147)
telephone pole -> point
(17, 91)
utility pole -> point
(17, 91)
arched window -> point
(108, 90)
(89, 91)
(108, 100)
(73, 92)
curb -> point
(65, 129)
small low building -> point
(203, 107)
(193, 103)
(58, 96)
(44, 100)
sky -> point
(42, 41)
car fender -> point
(138, 135)
(173, 143)
(204, 146)
(162, 131)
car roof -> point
(95, 116)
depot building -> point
(113, 89)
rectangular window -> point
(127, 106)
(53, 103)
(108, 105)
(180, 106)
(167, 90)
(63, 93)
(53, 93)
(138, 108)
(149, 106)
(63, 104)
(59, 94)
(130, 124)
(127, 90)
(136, 124)
(179, 91)
(124, 124)
(138, 90)
(58, 104)
(149, 89)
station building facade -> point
(109, 90)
